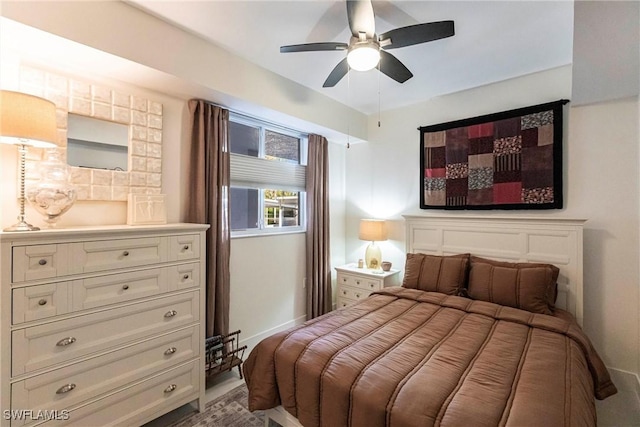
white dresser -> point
(355, 283)
(101, 326)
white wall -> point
(383, 176)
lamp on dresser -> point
(373, 230)
(26, 121)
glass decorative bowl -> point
(52, 195)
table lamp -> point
(26, 121)
(374, 231)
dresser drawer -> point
(360, 282)
(45, 345)
(35, 262)
(40, 302)
(184, 247)
(140, 402)
(184, 276)
(105, 255)
(114, 288)
(69, 386)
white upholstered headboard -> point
(555, 241)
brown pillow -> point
(525, 288)
(552, 292)
(433, 273)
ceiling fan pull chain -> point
(378, 94)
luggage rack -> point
(222, 354)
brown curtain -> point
(319, 300)
(208, 204)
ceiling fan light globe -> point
(363, 58)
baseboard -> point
(626, 381)
(252, 341)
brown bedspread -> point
(405, 357)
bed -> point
(509, 351)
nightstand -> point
(356, 283)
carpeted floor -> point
(228, 410)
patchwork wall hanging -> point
(506, 160)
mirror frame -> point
(143, 116)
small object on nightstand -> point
(386, 265)
(360, 263)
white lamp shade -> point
(27, 120)
(373, 230)
(363, 57)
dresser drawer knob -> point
(170, 351)
(125, 253)
(357, 282)
(170, 313)
(371, 285)
(344, 292)
(65, 388)
(357, 295)
(185, 277)
(170, 388)
(185, 248)
(42, 302)
(42, 262)
(125, 287)
(344, 279)
(66, 341)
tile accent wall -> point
(143, 116)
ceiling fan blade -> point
(313, 47)
(361, 18)
(392, 67)
(337, 74)
(415, 34)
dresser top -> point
(100, 231)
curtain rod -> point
(258, 119)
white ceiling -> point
(494, 41)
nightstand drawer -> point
(42, 346)
(74, 384)
(361, 282)
(352, 293)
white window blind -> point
(254, 172)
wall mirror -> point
(98, 108)
(98, 144)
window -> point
(268, 177)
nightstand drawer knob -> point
(185, 277)
(42, 302)
(371, 285)
(125, 253)
(357, 282)
(185, 248)
(42, 262)
(125, 287)
(344, 292)
(170, 388)
(66, 341)
(65, 388)
(170, 351)
(170, 313)
(357, 295)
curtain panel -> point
(319, 298)
(208, 189)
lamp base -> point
(373, 256)
(22, 226)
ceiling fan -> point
(366, 49)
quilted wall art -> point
(506, 160)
